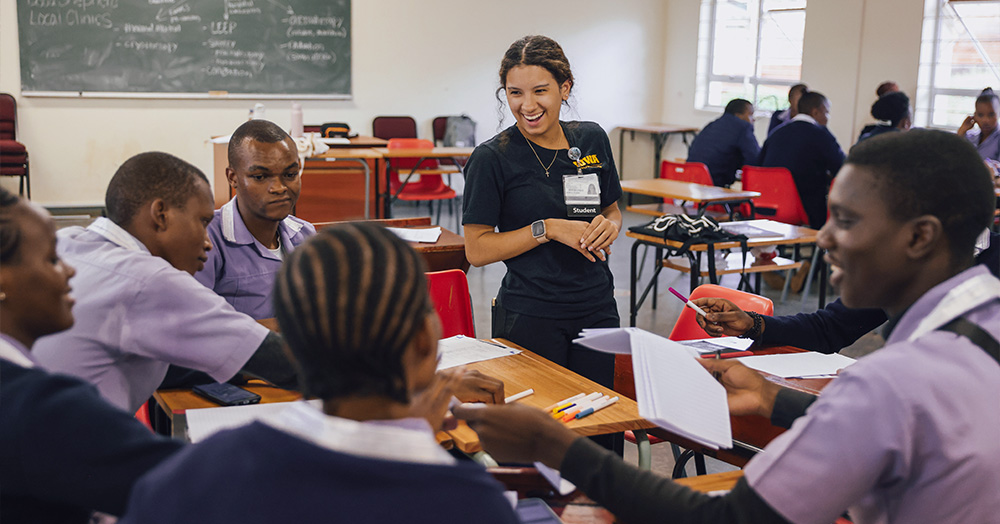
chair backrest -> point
(450, 293)
(8, 117)
(777, 193)
(438, 127)
(694, 172)
(402, 167)
(687, 328)
(386, 127)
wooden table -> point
(698, 194)
(176, 402)
(551, 383)
(787, 235)
(453, 153)
(659, 133)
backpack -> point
(459, 131)
(691, 230)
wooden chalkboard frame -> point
(287, 43)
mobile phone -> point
(227, 394)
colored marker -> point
(572, 413)
(564, 401)
(519, 396)
(690, 304)
(730, 354)
(598, 407)
(573, 407)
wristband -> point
(758, 324)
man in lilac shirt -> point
(253, 232)
(908, 434)
(138, 308)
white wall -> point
(850, 47)
(424, 59)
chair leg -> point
(809, 277)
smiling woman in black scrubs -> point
(542, 196)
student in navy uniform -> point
(807, 148)
(893, 110)
(727, 143)
(922, 446)
(987, 137)
(366, 344)
(785, 115)
(253, 232)
(64, 451)
(518, 183)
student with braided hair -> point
(365, 343)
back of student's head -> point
(263, 131)
(10, 229)
(886, 87)
(737, 106)
(349, 301)
(893, 106)
(797, 90)
(146, 177)
(811, 100)
(926, 172)
(987, 96)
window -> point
(749, 49)
(959, 53)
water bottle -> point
(296, 128)
(258, 111)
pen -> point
(573, 406)
(598, 407)
(718, 354)
(689, 303)
(519, 396)
(728, 354)
(570, 414)
(564, 401)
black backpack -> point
(691, 230)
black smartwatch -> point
(538, 231)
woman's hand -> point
(724, 318)
(518, 433)
(967, 125)
(432, 403)
(473, 386)
(599, 235)
(571, 233)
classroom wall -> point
(850, 47)
(424, 59)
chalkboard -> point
(186, 48)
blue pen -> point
(598, 407)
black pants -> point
(553, 339)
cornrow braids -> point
(10, 231)
(349, 301)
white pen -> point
(564, 401)
(598, 407)
(519, 396)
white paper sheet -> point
(203, 423)
(425, 235)
(792, 365)
(460, 350)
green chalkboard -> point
(186, 48)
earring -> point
(3, 296)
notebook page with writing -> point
(460, 350)
(678, 394)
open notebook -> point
(672, 389)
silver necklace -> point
(540, 160)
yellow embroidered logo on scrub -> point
(588, 161)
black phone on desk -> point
(227, 394)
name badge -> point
(582, 194)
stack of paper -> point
(203, 423)
(672, 389)
(711, 345)
(460, 350)
(799, 365)
(426, 235)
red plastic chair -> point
(695, 172)
(777, 193)
(450, 293)
(142, 415)
(429, 187)
(13, 154)
(387, 127)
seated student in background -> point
(893, 109)
(727, 143)
(785, 115)
(807, 148)
(253, 232)
(906, 434)
(883, 89)
(987, 138)
(139, 309)
(64, 451)
(366, 344)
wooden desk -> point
(551, 383)
(447, 253)
(785, 235)
(659, 133)
(453, 153)
(176, 402)
(698, 194)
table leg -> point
(634, 303)
(387, 196)
(178, 426)
(658, 263)
(659, 140)
(621, 154)
(645, 452)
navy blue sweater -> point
(64, 451)
(725, 145)
(258, 474)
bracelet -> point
(758, 323)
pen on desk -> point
(690, 304)
(571, 413)
(730, 354)
(492, 343)
(564, 401)
(519, 396)
(575, 405)
(598, 407)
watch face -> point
(537, 228)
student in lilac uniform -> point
(253, 232)
(366, 343)
(907, 434)
(987, 138)
(139, 309)
(64, 451)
